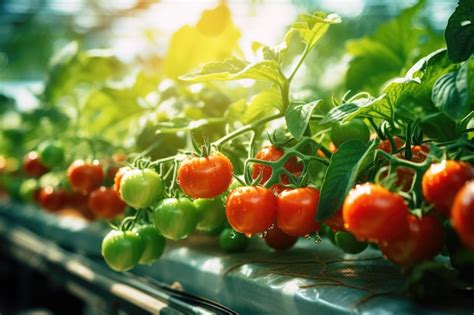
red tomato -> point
(32, 165)
(271, 153)
(106, 203)
(422, 242)
(85, 177)
(251, 209)
(278, 240)
(386, 146)
(336, 222)
(463, 214)
(52, 200)
(118, 177)
(374, 213)
(77, 201)
(277, 189)
(205, 177)
(442, 181)
(296, 211)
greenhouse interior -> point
(236, 157)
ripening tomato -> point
(154, 243)
(51, 199)
(122, 250)
(463, 214)
(205, 177)
(275, 238)
(251, 209)
(106, 203)
(118, 177)
(296, 212)
(442, 181)
(32, 165)
(336, 222)
(84, 177)
(374, 213)
(422, 242)
(141, 188)
(386, 145)
(175, 218)
(271, 153)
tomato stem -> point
(251, 127)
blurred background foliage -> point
(115, 63)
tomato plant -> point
(84, 177)
(122, 250)
(442, 181)
(32, 166)
(154, 243)
(271, 153)
(141, 188)
(296, 211)
(106, 203)
(205, 177)
(462, 214)
(373, 213)
(251, 209)
(175, 218)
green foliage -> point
(401, 96)
(340, 176)
(393, 47)
(72, 67)
(297, 118)
(459, 33)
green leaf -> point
(236, 69)
(311, 28)
(451, 93)
(72, 68)
(412, 91)
(297, 118)
(459, 32)
(340, 176)
(393, 47)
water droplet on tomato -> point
(317, 239)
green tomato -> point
(232, 241)
(355, 129)
(348, 243)
(211, 213)
(51, 154)
(326, 231)
(175, 218)
(28, 189)
(154, 243)
(122, 249)
(141, 188)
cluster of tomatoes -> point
(85, 193)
